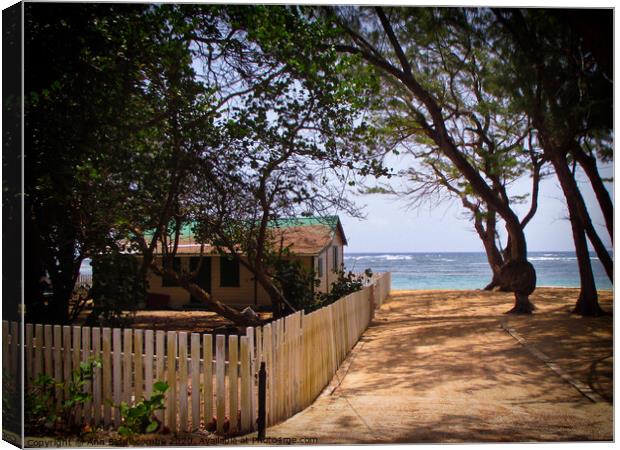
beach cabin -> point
(318, 242)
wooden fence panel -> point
(58, 361)
(86, 332)
(220, 381)
(14, 351)
(160, 350)
(96, 346)
(106, 378)
(76, 360)
(171, 370)
(29, 354)
(117, 382)
(246, 411)
(195, 375)
(148, 363)
(266, 352)
(66, 368)
(233, 385)
(127, 365)
(207, 352)
(183, 391)
(138, 347)
(48, 343)
(38, 350)
(250, 333)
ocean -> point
(460, 270)
(468, 270)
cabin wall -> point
(248, 293)
(243, 295)
(329, 269)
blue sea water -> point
(461, 270)
(468, 270)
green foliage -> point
(40, 403)
(118, 286)
(11, 402)
(296, 283)
(140, 418)
(42, 408)
(345, 284)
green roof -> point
(330, 221)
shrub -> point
(345, 284)
(296, 283)
(11, 403)
(118, 287)
(140, 418)
(42, 408)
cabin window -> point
(335, 253)
(319, 267)
(229, 272)
(176, 266)
(203, 277)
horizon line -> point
(449, 251)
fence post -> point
(262, 384)
(171, 369)
(233, 381)
(220, 381)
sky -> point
(390, 226)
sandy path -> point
(437, 367)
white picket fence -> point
(209, 377)
(84, 279)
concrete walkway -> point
(439, 368)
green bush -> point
(11, 403)
(42, 408)
(140, 418)
(296, 283)
(118, 287)
(345, 284)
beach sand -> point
(439, 366)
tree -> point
(144, 138)
(228, 154)
(393, 42)
(557, 85)
(284, 143)
(81, 63)
(497, 139)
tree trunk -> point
(522, 305)
(278, 301)
(597, 243)
(588, 163)
(587, 304)
(494, 256)
(519, 276)
(495, 281)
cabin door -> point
(203, 278)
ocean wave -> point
(385, 257)
(397, 257)
(554, 258)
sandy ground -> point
(436, 366)
(192, 321)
